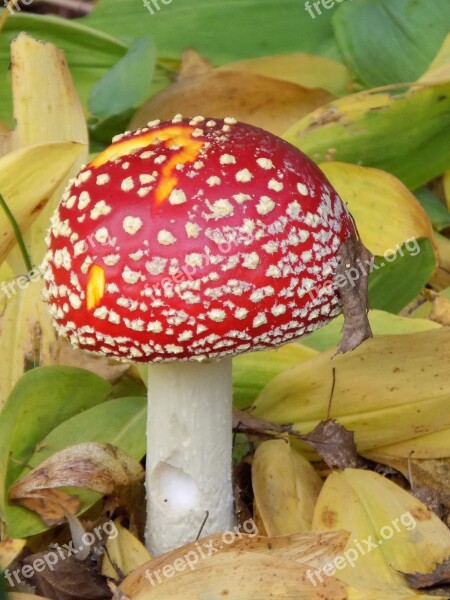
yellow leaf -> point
(52, 113)
(439, 70)
(28, 177)
(272, 104)
(5, 138)
(308, 70)
(389, 389)
(432, 445)
(252, 370)
(26, 333)
(391, 530)
(286, 488)
(371, 196)
(125, 551)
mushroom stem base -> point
(189, 446)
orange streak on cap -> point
(189, 149)
(173, 135)
(95, 288)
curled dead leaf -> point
(335, 444)
(354, 293)
(100, 468)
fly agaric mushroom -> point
(185, 243)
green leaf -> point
(120, 422)
(405, 134)
(386, 41)
(41, 400)
(394, 283)
(253, 370)
(126, 85)
(90, 53)
(222, 31)
(436, 210)
(382, 323)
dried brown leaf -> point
(243, 422)
(68, 579)
(335, 444)
(51, 505)
(250, 567)
(101, 468)
(353, 293)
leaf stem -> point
(17, 233)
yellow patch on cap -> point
(172, 135)
(95, 288)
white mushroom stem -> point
(189, 445)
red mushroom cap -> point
(194, 239)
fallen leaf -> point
(439, 69)
(440, 576)
(354, 129)
(370, 195)
(5, 138)
(28, 178)
(67, 579)
(353, 293)
(335, 444)
(252, 370)
(51, 505)
(391, 531)
(42, 67)
(308, 70)
(269, 103)
(27, 336)
(247, 423)
(100, 468)
(124, 553)
(247, 567)
(378, 394)
(429, 479)
(286, 487)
